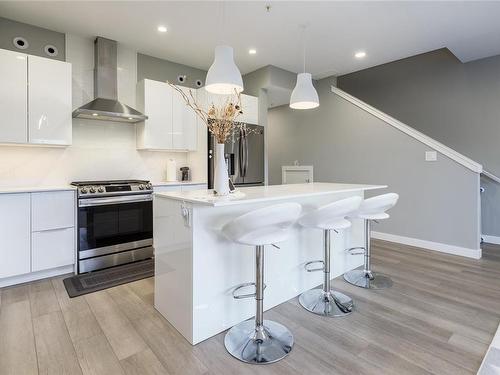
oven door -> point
(114, 224)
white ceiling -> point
(387, 31)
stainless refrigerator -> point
(244, 153)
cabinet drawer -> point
(52, 248)
(52, 210)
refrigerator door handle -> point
(240, 154)
(246, 153)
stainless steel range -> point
(115, 223)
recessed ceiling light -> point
(360, 54)
(95, 114)
(162, 29)
(252, 51)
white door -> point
(15, 234)
(49, 98)
(158, 107)
(13, 97)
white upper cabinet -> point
(49, 98)
(250, 105)
(184, 122)
(13, 94)
(154, 99)
(35, 100)
(171, 125)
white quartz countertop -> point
(42, 188)
(264, 193)
(34, 189)
(177, 183)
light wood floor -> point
(438, 318)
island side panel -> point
(220, 265)
(173, 265)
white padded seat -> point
(331, 216)
(374, 208)
(264, 226)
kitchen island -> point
(196, 268)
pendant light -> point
(304, 95)
(223, 77)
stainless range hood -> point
(106, 106)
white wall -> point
(100, 150)
(439, 201)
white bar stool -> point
(371, 209)
(262, 341)
(325, 301)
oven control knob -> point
(141, 187)
(100, 189)
(83, 190)
(149, 185)
(92, 189)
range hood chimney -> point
(106, 106)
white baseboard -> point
(8, 281)
(491, 239)
(436, 246)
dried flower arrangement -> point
(220, 121)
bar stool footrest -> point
(243, 296)
(352, 250)
(322, 268)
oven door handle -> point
(90, 202)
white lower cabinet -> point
(37, 233)
(15, 234)
(52, 249)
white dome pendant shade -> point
(224, 77)
(304, 95)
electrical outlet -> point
(430, 155)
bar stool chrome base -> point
(368, 280)
(333, 304)
(259, 345)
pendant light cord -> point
(303, 27)
(221, 24)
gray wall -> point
(347, 144)
(163, 70)
(454, 103)
(37, 38)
